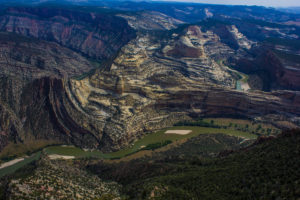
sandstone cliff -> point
(96, 35)
(155, 80)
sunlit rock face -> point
(146, 87)
(156, 75)
(151, 20)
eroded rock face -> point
(26, 65)
(96, 35)
(31, 58)
(273, 71)
(155, 80)
(114, 119)
(151, 20)
(146, 89)
(110, 120)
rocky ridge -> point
(146, 89)
(92, 34)
(149, 84)
(58, 179)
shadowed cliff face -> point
(26, 67)
(31, 58)
(110, 119)
(154, 80)
(146, 89)
(96, 35)
(273, 70)
(50, 109)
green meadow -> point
(11, 169)
(232, 127)
(151, 138)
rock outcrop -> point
(59, 179)
(276, 69)
(145, 89)
(96, 35)
(153, 81)
(31, 58)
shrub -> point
(157, 145)
(200, 123)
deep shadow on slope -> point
(267, 170)
(96, 35)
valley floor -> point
(159, 141)
(205, 166)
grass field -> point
(161, 136)
(268, 170)
(232, 127)
(11, 169)
(146, 140)
(12, 151)
(74, 151)
(245, 125)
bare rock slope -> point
(155, 80)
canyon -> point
(102, 80)
(148, 100)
